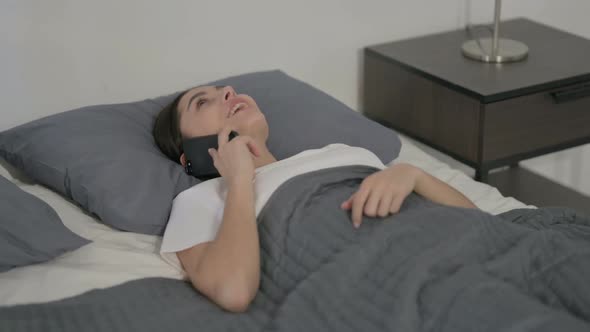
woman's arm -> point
(383, 192)
(439, 192)
(227, 269)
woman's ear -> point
(183, 160)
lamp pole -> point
(495, 49)
(496, 35)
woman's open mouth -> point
(237, 108)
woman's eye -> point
(201, 102)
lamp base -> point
(508, 50)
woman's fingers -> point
(374, 198)
(215, 156)
(347, 204)
(396, 203)
(385, 204)
(253, 147)
(223, 136)
(378, 192)
(358, 206)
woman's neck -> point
(265, 158)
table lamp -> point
(495, 49)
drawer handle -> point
(571, 93)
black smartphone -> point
(198, 161)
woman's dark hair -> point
(166, 130)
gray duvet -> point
(427, 268)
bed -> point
(101, 285)
(115, 257)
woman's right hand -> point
(234, 159)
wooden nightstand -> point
(485, 115)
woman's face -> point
(205, 110)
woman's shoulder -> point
(202, 190)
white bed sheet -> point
(115, 257)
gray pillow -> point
(104, 157)
(30, 230)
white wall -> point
(60, 54)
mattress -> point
(115, 257)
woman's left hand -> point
(382, 193)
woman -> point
(216, 243)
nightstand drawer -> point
(538, 121)
(422, 109)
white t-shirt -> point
(197, 212)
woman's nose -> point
(228, 93)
